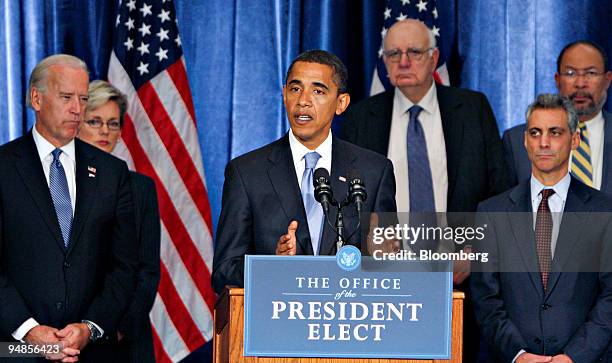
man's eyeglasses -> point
(96, 124)
(588, 74)
(413, 54)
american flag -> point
(396, 10)
(161, 141)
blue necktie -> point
(419, 174)
(422, 205)
(314, 211)
(58, 185)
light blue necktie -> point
(58, 185)
(314, 211)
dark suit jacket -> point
(519, 166)
(135, 324)
(94, 277)
(573, 316)
(261, 196)
(475, 162)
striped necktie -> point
(582, 168)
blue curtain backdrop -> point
(237, 53)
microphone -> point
(322, 189)
(356, 191)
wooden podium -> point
(229, 334)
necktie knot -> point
(581, 125)
(546, 193)
(56, 154)
(414, 112)
(311, 159)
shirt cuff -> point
(517, 354)
(94, 324)
(21, 332)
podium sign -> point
(326, 306)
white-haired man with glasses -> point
(443, 141)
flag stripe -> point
(179, 76)
(179, 314)
(160, 354)
(163, 166)
(172, 101)
(180, 156)
(185, 286)
(189, 254)
(173, 344)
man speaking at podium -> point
(268, 200)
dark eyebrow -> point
(322, 85)
(295, 81)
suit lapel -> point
(606, 178)
(379, 126)
(342, 162)
(288, 191)
(85, 191)
(452, 126)
(31, 172)
(569, 232)
(522, 226)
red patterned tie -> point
(543, 235)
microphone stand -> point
(339, 228)
(340, 241)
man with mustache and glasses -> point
(583, 77)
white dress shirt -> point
(298, 151)
(595, 131)
(67, 158)
(431, 121)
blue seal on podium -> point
(348, 258)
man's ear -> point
(36, 98)
(344, 99)
(557, 80)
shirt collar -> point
(45, 148)
(561, 188)
(595, 121)
(428, 102)
(298, 150)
